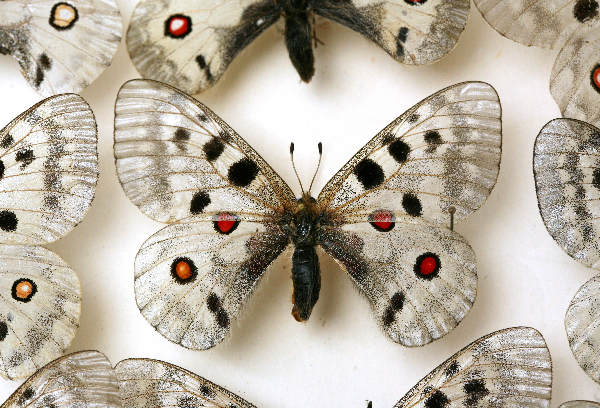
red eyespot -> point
(427, 266)
(226, 223)
(382, 220)
(595, 79)
(178, 26)
(183, 270)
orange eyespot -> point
(183, 270)
(23, 290)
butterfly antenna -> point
(320, 146)
(294, 166)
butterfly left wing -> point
(510, 368)
(60, 46)
(83, 379)
(154, 383)
(412, 31)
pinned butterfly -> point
(571, 26)
(61, 46)
(190, 43)
(383, 217)
(48, 174)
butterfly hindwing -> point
(61, 46)
(48, 170)
(566, 168)
(190, 44)
(511, 368)
(176, 159)
(192, 279)
(83, 379)
(412, 31)
(146, 383)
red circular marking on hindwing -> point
(226, 223)
(596, 78)
(178, 26)
(383, 220)
(183, 270)
(428, 265)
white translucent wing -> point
(547, 23)
(575, 77)
(176, 159)
(579, 404)
(421, 279)
(40, 305)
(566, 166)
(582, 323)
(412, 31)
(61, 46)
(152, 383)
(192, 279)
(80, 380)
(444, 152)
(48, 170)
(510, 368)
(190, 43)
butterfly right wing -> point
(153, 383)
(566, 169)
(190, 43)
(83, 379)
(511, 368)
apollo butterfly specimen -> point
(573, 27)
(48, 174)
(190, 43)
(383, 217)
(87, 379)
(61, 46)
(566, 163)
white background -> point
(340, 357)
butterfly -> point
(48, 174)
(87, 379)
(190, 43)
(566, 165)
(508, 368)
(571, 26)
(61, 46)
(382, 217)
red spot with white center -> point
(596, 78)
(178, 26)
(382, 220)
(226, 223)
(427, 266)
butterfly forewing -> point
(48, 170)
(189, 44)
(412, 31)
(60, 46)
(176, 159)
(566, 167)
(421, 279)
(152, 383)
(508, 368)
(444, 152)
(84, 379)
(192, 279)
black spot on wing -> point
(3, 330)
(412, 205)
(242, 172)
(25, 157)
(437, 400)
(199, 202)
(204, 67)
(476, 391)
(201, 61)
(1, 169)
(213, 149)
(596, 178)
(400, 40)
(216, 308)
(26, 396)
(45, 62)
(585, 10)
(8, 221)
(452, 369)
(399, 150)
(207, 391)
(389, 316)
(433, 137)
(6, 141)
(413, 118)
(180, 137)
(397, 301)
(369, 174)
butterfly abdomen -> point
(298, 38)
(306, 278)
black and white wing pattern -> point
(579, 404)
(61, 46)
(190, 43)
(510, 368)
(412, 31)
(566, 166)
(84, 379)
(581, 322)
(152, 383)
(178, 162)
(387, 207)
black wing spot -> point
(415, 2)
(427, 266)
(199, 202)
(389, 316)
(413, 118)
(182, 135)
(207, 391)
(213, 303)
(242, 172)
(25, 157)
(45, 62)
(437, 400)
(222, 318)
(476, 391)
(369, 174)
(399, 150)
(26, 396)
(201, 61)
(183, 270)
(596, 178)
(585, 10)
(433, 137)
(39, 77)
(403, 34)
(6, 141)
(1, 169)
(213, 149)
(3, 330)
(452, 369)
(412, 205)
(8, 221)
(397, 301)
